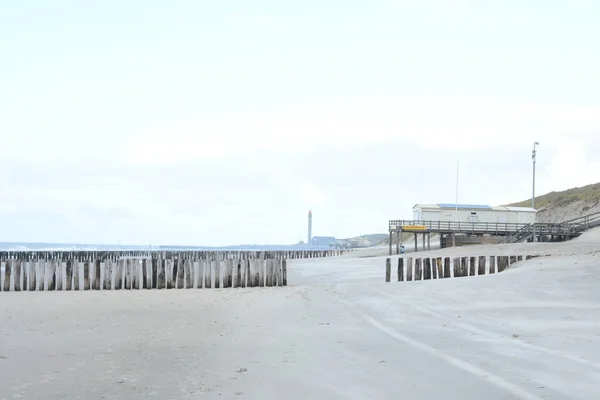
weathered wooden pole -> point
(155, 261)
(251, 272)
(427, 268)
(409, 269)
(180, 272)
(400, 273)
(473, 266)
(189, 273)
(76, 273)
(217, 273)
(269, 273)
(261, 273)
(238, 275)
(481, 270)
(388, 270)
(7, 274)
(17, 267)
(284, 272)
(160, 275)
(246, 275)
(33, 275)
(440, 267)
(145, 274)
(128, 274)
(418, 269)
(208, 273)
(502, 263)
(513, 259)
(447, 270)
(97, 281)
(492, 264)
(52, 275)
(86, 273)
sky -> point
(223, 122)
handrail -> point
(497, 227)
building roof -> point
(430, 206)
(451, 206)
(465, 206)
(521, 209)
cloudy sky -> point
(223, 122)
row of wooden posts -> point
(416, 269)
(190, 254)
(38, 271)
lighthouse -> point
(309, 227)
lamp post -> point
(533, 153)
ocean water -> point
(22, 246)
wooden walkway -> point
(512, 232)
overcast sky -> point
(223, 122)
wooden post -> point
(238, 275)
(160, 274)
(261, 273)
(108, 272)
(145, 274)
(481, 270)
(258, 275)
(447, 271)
(155, 263)
(25, 269)
(464, 266)
(33, 275)
(502, 263)
(217, 273)
(400, 272)
(390, 243)
(284, 272)
(473, 266)
(429, 241)
(138, 274)
(76, 273)
(409, 269)
(188, 273)
(7, 274)
(86, 273)
(170, 272)
(519, 258)
(251, 272)
(208, 273)
(388, 270)
(97, 281)
(227, 274)
(181, 272)
(427, 268)
(418, 269)
(440, 267)
(492, 264)
(246, 276)
(17, 266)
(57, 273)
(128, 274)
(52, 276)
(416, 245)
(512, 260)
(268, 273)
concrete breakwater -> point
(424, 268)
(116, 270)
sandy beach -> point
(337, 332)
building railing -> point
(498, 228)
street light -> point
(533, 153)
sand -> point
(338, 332)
